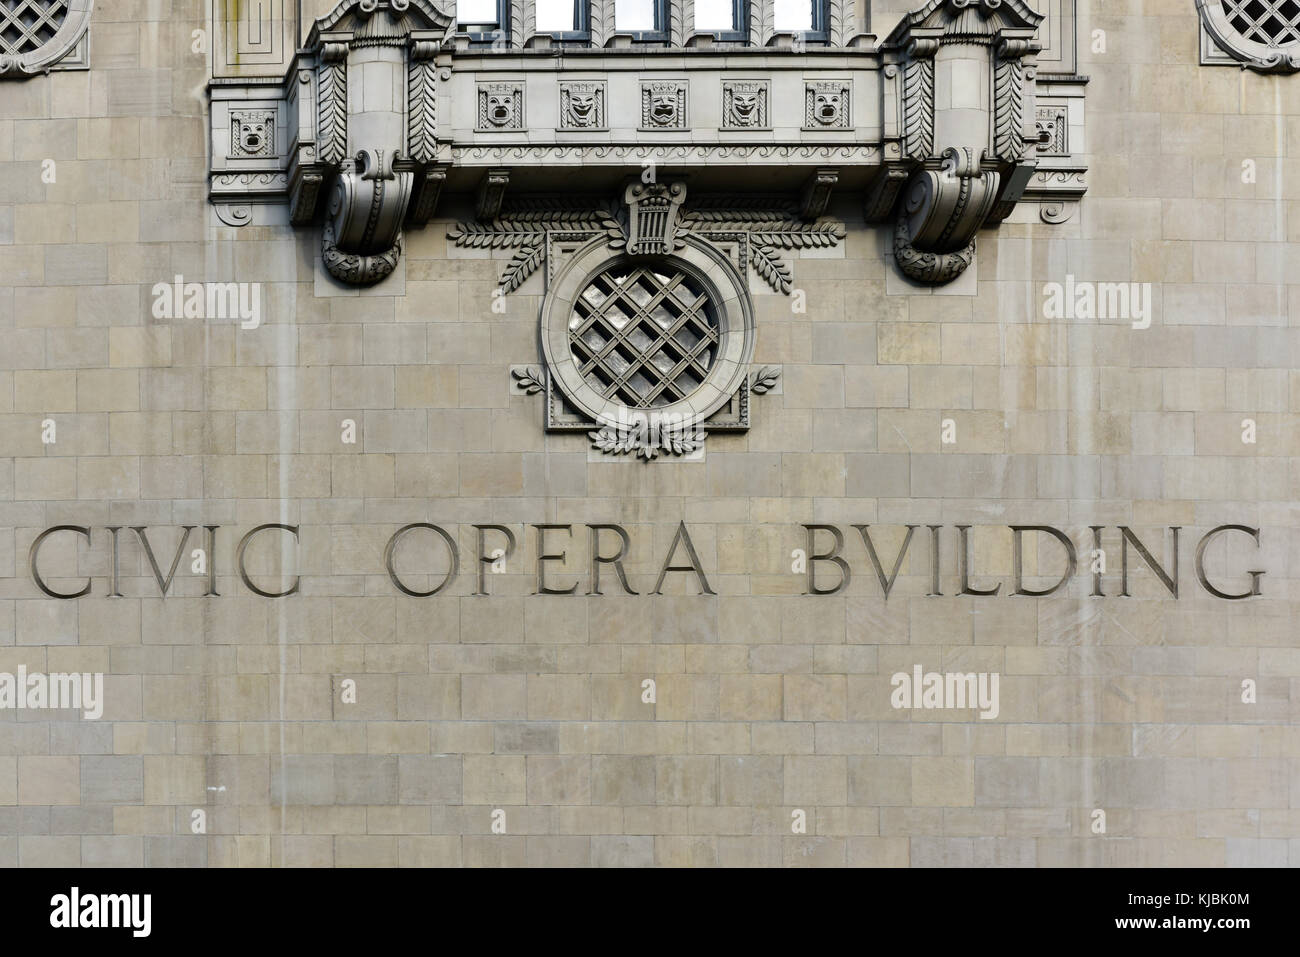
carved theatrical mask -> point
(582, 106)
(826, 106)
(745, 105)
(500, 106)
(663, 106)
(252, 133)
(1049, 124)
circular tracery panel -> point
(1270, 22)
(643, 336)
(663, 339)
(27, 25)
(37, 34)
(1261, 34)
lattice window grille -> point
(1274, 23)
(643, 337)
(28, 25)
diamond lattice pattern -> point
(1271, 22)
(27, 25)
(643, 338)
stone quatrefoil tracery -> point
(1271, 22)
(27, 25)
(643, 338)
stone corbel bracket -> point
(959, 162)
(375, 153)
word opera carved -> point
(706, 157)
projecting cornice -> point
(385, 106)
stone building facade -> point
(648, 433)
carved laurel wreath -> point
(769, 224)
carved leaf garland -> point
(771, 224)
(840, 20)
(529, 380)
(522, 265)
(764, 380)
(772, 268)
(422, 97)
(770, 229)
(602, 22)
(523, 227)
(648, 442)
(1008, 139)
(332, 112)
(762, 21)
(918, 113)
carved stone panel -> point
(647, 322)
(253, 39)
(252, 133)
(1052, 126)
(745, 104)
(826, 105)
(663, 105)
(582, 105)
(500, 106)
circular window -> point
(663, 339)
(1261, 34)
(35, 34)
(1270, 22)
(644, 336)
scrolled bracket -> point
(934, 234)
(362, 239)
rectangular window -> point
(715, 16)
(636, 16)
(557, 16)
(477, 16)
(795, 16)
